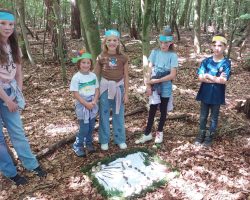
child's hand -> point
(223, 75)
(125, 98)
(12, 106)
(148, 91)
(153, 81)
(89, 105)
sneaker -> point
(144, 138)
(123, 146)
(158, 137)
(19, 180)
(200, 137)
(40, 172)
(90, 148)
(208, 139)
(105, 147)
(79, 152)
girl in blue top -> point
(161, 71)
(213, 74)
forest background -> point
(50, 33)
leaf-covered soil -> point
(219, 172)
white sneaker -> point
(105, 147)
(123, 146)
(159, 137)
(144, 138)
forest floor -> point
(219, 172)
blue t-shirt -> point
(163, 62)
(213, 93)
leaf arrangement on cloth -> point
(130, 175)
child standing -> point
(11, 100)
(213, 73)
(112, 69)
(161, 70)
(85, 88)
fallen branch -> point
(70, 139)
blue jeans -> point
(215, 110)
(84, 134)
(20, 143)
(117, 119)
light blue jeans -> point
(117, 119)
(84, 134)
(14, 126)
(215, 110)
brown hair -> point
(168, 33)
(13, 41)
(79, 61)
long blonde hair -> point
(105, 48)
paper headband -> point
(6, 16)
(112, 32)
(220, 39)
(164, 38)
(81, 55)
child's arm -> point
(126, 81)
(222, 79)
(19, 76)
(169, 77)
(97, 70)
(12, 106)
(148, 77)
(88, 105)
(97, 93)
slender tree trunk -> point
(133, 28)
(146, 6)
(75, 21)
(59, 20)
(184, 13)
(197, 29)
(90, 26)
(109, 9)
(162, 13)
(21, 14)
(187, 21)
(205, 16)
(105, 19)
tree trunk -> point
(90, 26)
(21, 14)
(75, 21)
(189, 14)
(162, 13)
(60, 48)
(205, 16)
(105, 19)
(146, 6)
(133, 28)
(184, 13)
(197, 29)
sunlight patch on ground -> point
(130, 175)
(53, 129)
(76, 182)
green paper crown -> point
(82, 56)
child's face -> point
(84, 65)
(6, 28)
(112, 42)
(218, 48)
(165, 45)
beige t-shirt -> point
(111, 67)
(8, 70)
